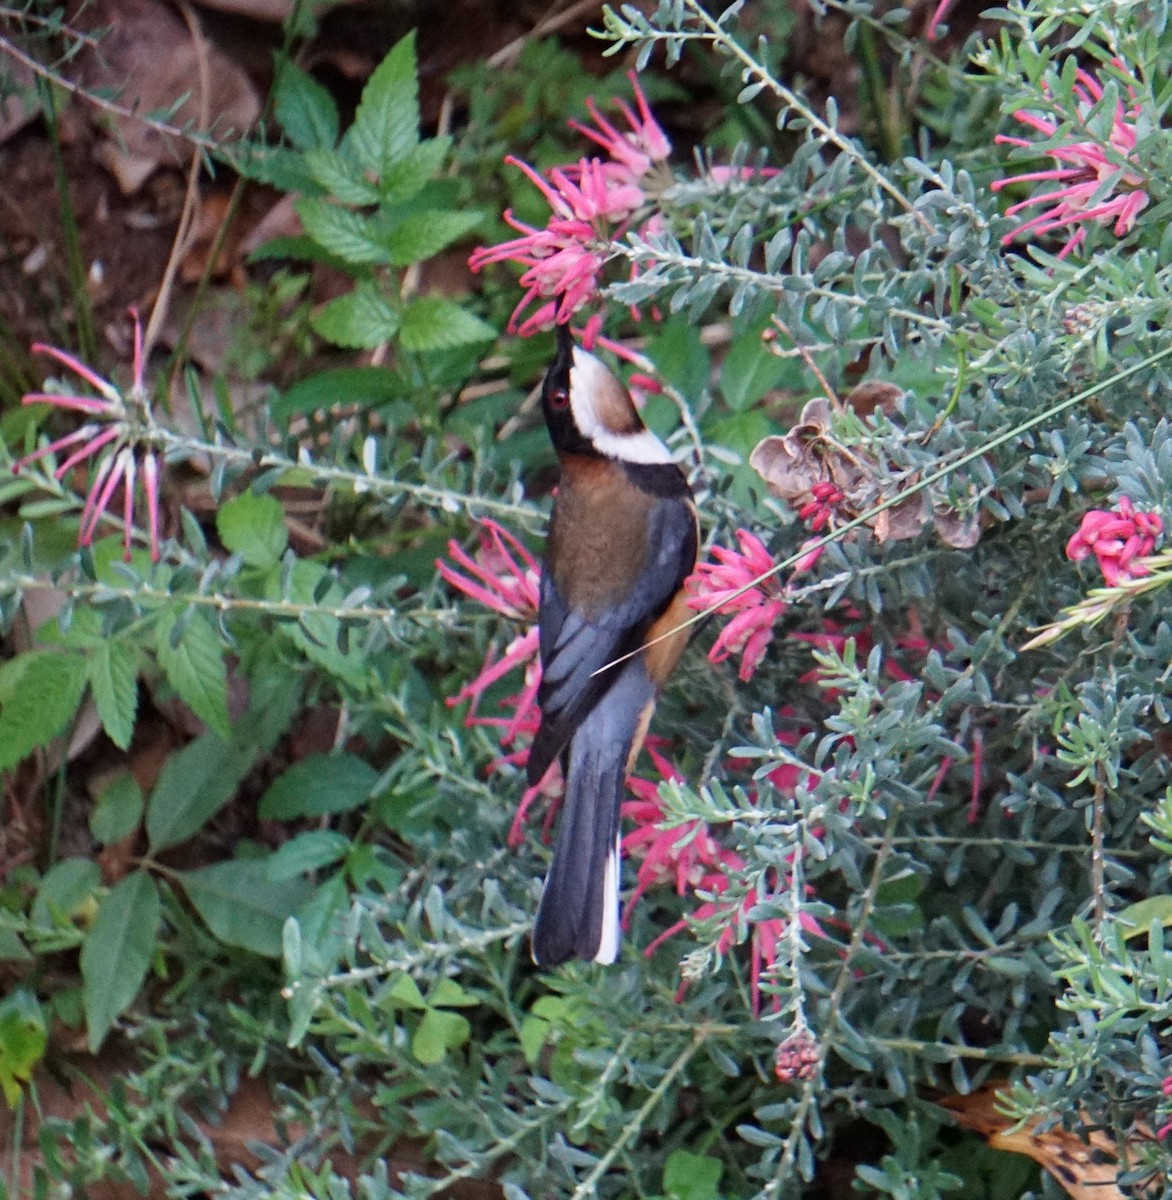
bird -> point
(623, 538)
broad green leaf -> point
(316, 786)
(253, 527)
(386, 125)
(39, 695)
(436, 323)
(341, 177)
(345, 234)
(418, 237)
(113, 679)
(117, 952)
(408, 176)
(66, 889)
(241, 905)
(360, 320)
(23, 1038)
(278, 166)
(198, 781)
(12, 949)
(1142, 913)
(689, 1176)
(447, 993)
(306, 110)
(307, 852)
(118, 811)
(438, 1032)
(192, 658)
(748, 372)
(349, 385)
(406, 992)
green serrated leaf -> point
(420, 236)
(198, 781)
(12, 949)
(353, 385)
(305, 109)
(278, 166)
(117, 952)
(360, 320)
(317, 786)
(194, 785)
(341, 178)
(118, 811)
(411, 174)
(241, 905)
(195, 667)
(436, 323)
(113, 679)
(254, 527)
(39, 695)
(386, 125)
(307, 852)
(345, 234)
(406, 992)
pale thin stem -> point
(632, 1127)
(752, 69)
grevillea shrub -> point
(903, 828)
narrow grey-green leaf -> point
(117, 952)
(242, 906)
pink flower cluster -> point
(690, 858)
(734, 584)
(1118, 538)
(1084, 167)
(592, 203)
(117, 439)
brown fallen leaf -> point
(1086, 1169)
(794, 464)
(148, 59)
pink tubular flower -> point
(1084, 167)
(1118, 538)
(592, 203)
(118, 438)
(756, 610)
(504, 577)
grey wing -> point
(573, 648)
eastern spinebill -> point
(622, 540)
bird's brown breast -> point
(597, 543)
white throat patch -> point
(593, 390)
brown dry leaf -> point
(148, 60)
(1087, 1170)
(809, 454)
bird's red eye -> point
(559, 398)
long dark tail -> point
(579, 912)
